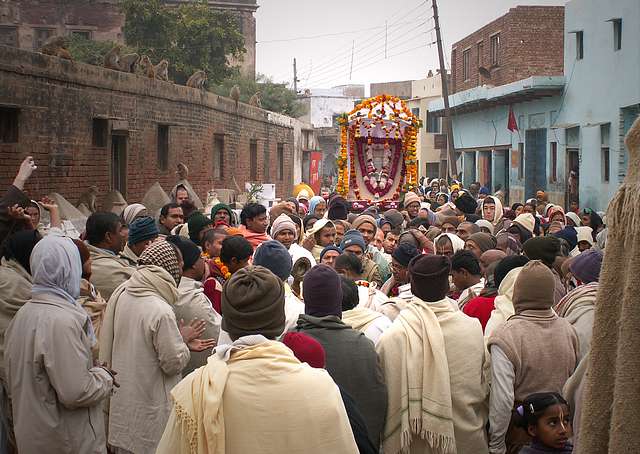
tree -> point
(192, 36)
(273, 96)
(92, 52)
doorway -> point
(501, 172)
(573, 177)
(535, 162)
(119, 164)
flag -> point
(512, 125)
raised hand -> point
(26, 169)
(200, 345)
(17, 212)
(193, 330)
(48, 204)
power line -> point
(325, 35)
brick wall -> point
(58, 100)
(531, 44)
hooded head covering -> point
(543, 248)
(222, 207)
(283, 222)
(322, 291)
(253, 303)
(429, 277)
(306, 349)
(499, 210)
(19, 246)
(338, 208)
(574, 217)
(56, 267)
(196, 223)
(483, 240)
(319, 225)
(534, 288)
(274, 256)
(142, 229)
(134, 211)
(409, 198)
(353, 237)
(314, 202)
(585, 234)
(189, 250)
(456, 242)
(586, 266)
(555, 209)
(163, 255)
(570, 235)
(486, 224)
(527, 221)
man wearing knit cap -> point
(222, 213)
(329, 255)
(212, 401)
(547, 249)
(533, 350)
(479, 243)
(523, 227)
(351, 358)
(400, 259)
(274, 256)
(283, 229)
(142, 339)
(434, 364)
(367, 226)
(142, 232)
(412, 204)
(198, 226)
(395, 218)
(353, 243)
(466, 206)
(192, 303)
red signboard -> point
(315, 158)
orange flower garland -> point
(223, 268)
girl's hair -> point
(534, 407)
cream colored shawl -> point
(15, 291)
(503, 304)
(360, 318)
(202, 408)
(414, 360)
(146, 280)
(578, 308)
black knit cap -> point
(543, 248)
(429, 277)
(404, 253)
(466, 204)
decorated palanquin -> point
(377, 158)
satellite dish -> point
(484, 72)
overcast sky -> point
(325, 61)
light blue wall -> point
(488, 128)
(598, 87)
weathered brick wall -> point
(531, 43)
(58, 100)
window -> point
(553, 177)
(218, 157)
(86, 34)
(9, 36)
(604, 145)
(416, 111)
(307, 140)
(520, 161)
(163, 147)
(495, 49)
(466, 64)
(266, 163)
(579, 45)
(253, 160)
(617, 34)
(433, 123)
(280, 172)
(100, 132)
(40, 36)
(9, 125)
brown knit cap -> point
(484, 241)
(534, 288)
(253, 303)
(429, 276)
(363, 219)
(164, 255)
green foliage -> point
(274, 97)
(192, 36)
(91, 52)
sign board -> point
(315, 160)
(440, 141)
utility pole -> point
(448, 123)
(353, 48)
(295, 77)
(386, 35)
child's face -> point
(554, 427)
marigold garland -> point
(388, 121)
(223, 268)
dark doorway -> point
(535, 164)
(119, 164)
(501, 175)
(573, 177)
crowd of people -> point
(453, 324)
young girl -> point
(546, 417)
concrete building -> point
(402, 89)
(602, 95)
(431, 150)
(86, 125)
(323, 106)
(514, 64)
(27, 24)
